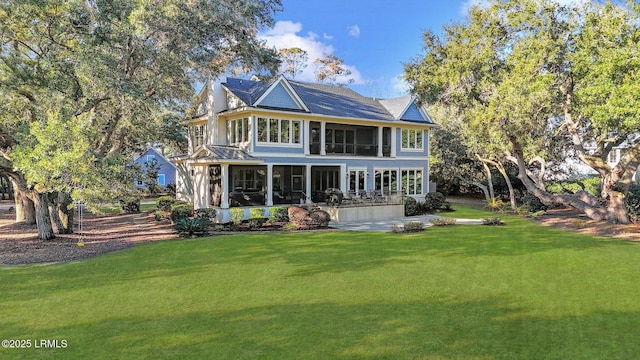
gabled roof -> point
(406, 108)
(247, 91)
(280, 93)
(154, 152)
(325, 100)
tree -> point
(108, 74)
(532, 76)
(294, 60)
(450, 164)
(331, 70)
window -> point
(412, 139)
(197, 135)
(238, 131)
(278, 131)
(150, 159)
(351, 140)
(248, 179)
(161, 179)
(386, 181)
(613, 156)
(247, 186)
(412, 182)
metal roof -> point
(327, 100)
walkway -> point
(386, 225)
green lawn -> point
(116, 209)
(519, 291)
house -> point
(286, 142)
(572, 167)
(166, 169)
(614, 158)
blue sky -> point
(374, 37)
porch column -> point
(343, 178)
(224, 174)
(323, 126)
(380, 141)
(269, 184)
(306, 136)
(393, 142)
(307, 184)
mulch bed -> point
(570, 219)
(19, 243)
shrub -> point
(206, 214)
(256, 217)
(632, 201)
(130, 205)
(395, 228)
(298, 215)
(255, 223)
(533, 203)
(290, 226)
(410, 206)
(160, 215)
(496, 204)
(164, 203)
(433, 201)
(255, 213)
(236, 215)
(492, 221)
(181, 211)
(446, 206)
(443, 221)
(277, 214)
(319, 218)
(170, 189)
(192, 227)
(413, 226)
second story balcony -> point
(349, 140)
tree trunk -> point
(65, 213)
(614, 211)
(492, 193)
(512, 196)
(25, 210)
(53, 213)
(43, 220)
(19, 201)
(29, 209)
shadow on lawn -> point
(315, 253)
(310, 253)
(482, 329)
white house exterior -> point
(286, 142)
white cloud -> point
(283, 28)
(327, 36)
(400, 85)
(285, 34)
(354, 30)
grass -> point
(520, 291)
(116, 209)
